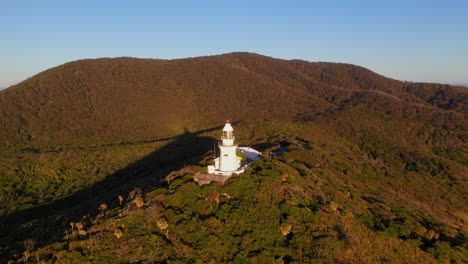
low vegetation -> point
(357, 168)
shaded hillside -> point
(97, 160)
(126, 98)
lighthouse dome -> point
(228, 127)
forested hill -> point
(126, 98)
(97, 159)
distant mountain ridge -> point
(460, 84)
(127, 98)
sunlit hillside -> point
(98, 158)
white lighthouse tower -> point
(228, 162)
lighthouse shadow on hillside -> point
(47, 223)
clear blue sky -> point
(406, 40)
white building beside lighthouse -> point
(228, 162)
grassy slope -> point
(391, 156)
(343, 205)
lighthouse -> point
(228, 162)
